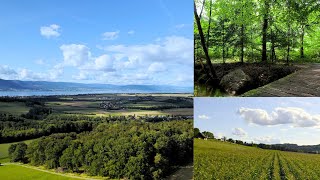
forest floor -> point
(305, 82)
(260, 74)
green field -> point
(214, 159)
(14, 107)
(4, 151)
(16, 172)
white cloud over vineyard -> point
(296, 117)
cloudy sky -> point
(116, 42)
(261, 120)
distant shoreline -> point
(74, 93)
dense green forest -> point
(132, 150)
(259, 32)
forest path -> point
(183, 173)
(303, 83)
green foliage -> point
(291, 29)
(208, 134)
(118, 150)
(17, 152)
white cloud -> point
(6, 70)
(203, 116)
(83, 75)
(267, 140)
(75, 54)
(50, 31)
(110, 35)
(168, 61)
(172, 49)
(131, 32)
(104, 62)
(26, 74)
(239, 132)
(296, 117)
(157, 67)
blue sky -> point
(261, 120)
(116, 42)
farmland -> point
(119, 104)
(214, 159)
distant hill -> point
(17, 85)
(297, 148)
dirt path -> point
(47, 171)
(303, 83)
(183, 173)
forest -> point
(118, 150)
(244, 44)
(144, 137)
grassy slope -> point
(14, 172)
(4, 151)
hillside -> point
(17, 85)
(214, 159)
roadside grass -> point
(14, 172)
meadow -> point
(16, 172)
(214, 159)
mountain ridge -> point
(18, 85)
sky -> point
(113, 42)
(260, 120)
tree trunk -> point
(203, 3)
(227, 55)
(242, 34)
(264, 31)
(301, 40)
(288, 48)
(272, 44)
(242, 43)
(223, 43)
(208, 33)
(212, 74)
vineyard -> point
(214, 159)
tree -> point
(266, 6)
(17, 152)
(212, 73)
(196, 132)
(209, 135)
(303, 9)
